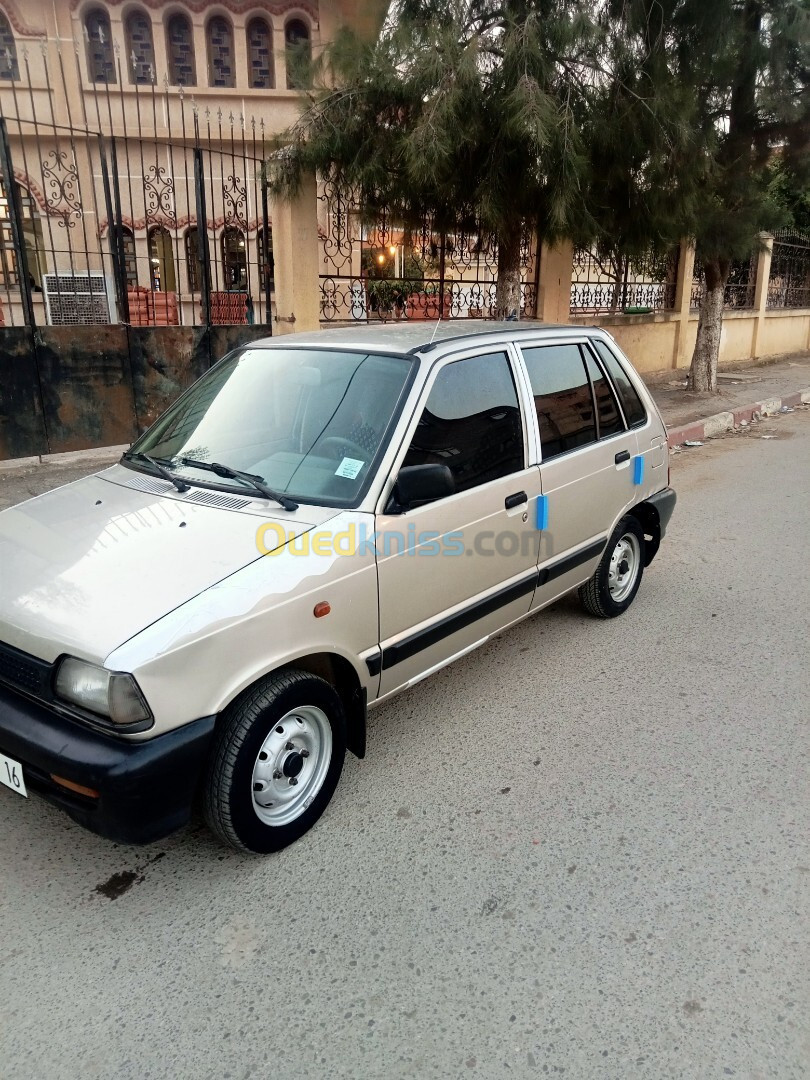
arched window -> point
(9, 68)
(180, 49)
(220, 52)
(234, 259)
(161, 260)
(140, 48)
(130, 262)
(298, 52)
(98, 39)
(260, 54)
(266, 260)
(192, 243)
(32, 237)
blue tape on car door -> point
(638, 469)
(542, 512)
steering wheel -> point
(342, 448)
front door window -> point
(471, 422)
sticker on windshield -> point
(349, 468)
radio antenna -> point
(435, 328)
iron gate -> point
(375, 268)
(135, 249)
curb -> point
(101, 455)
(698, 430)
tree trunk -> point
(507, 289)
(703, 371)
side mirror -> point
(420, 484)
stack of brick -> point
(138, 300)
(229, 307)
(164, 309)
(147, 308)
(2, 315)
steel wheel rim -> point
(624, 566)
(291, 765)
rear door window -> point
(634, 410)
(562, 398)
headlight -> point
(112, 694)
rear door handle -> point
(623, 456)
(515, 500)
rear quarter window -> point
(634, 410)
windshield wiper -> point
(256, 482)
(181, 485)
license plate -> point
(11, 775)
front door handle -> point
(515, 500)
(623, 456)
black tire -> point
(251, 724)
(595, 595)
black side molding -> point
(569, 562)
(410, 646)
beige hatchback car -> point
(318, 523)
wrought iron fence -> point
(133, 206)
(740, 288)
(374, 268)
(789, 281)
(606, 282)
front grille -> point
(24, 672)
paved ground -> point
(739, 384)
(580, 851)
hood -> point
(86, 566)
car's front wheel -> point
(276, 762)
(615, 583)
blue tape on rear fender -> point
(638, 469)
(542, 512)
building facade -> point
(136, 133)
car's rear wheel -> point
(616, 581)
(276, 762)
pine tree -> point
(470, 112)
(641, 136)
(628, 124)
(747, 63)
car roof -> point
(413, 337)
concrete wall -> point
(650, 340)
(785, 331)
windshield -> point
(310, 423)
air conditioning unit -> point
(74, 299)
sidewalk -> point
(742, 388)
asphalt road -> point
(580, 851)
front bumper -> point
(146, 789)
